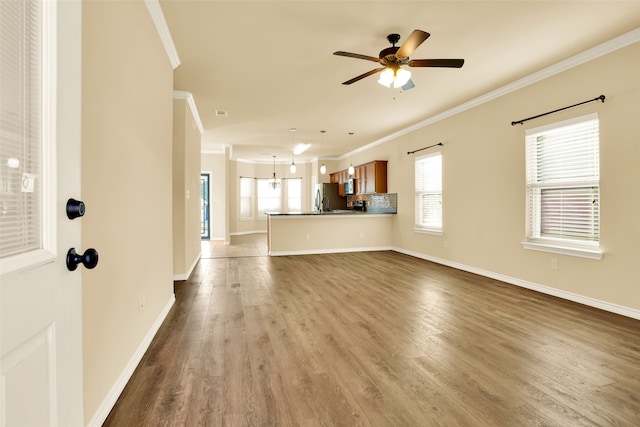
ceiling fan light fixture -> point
(396, 76)
(402, 76)
(386, 77)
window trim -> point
(48, 251)
(557, 246)
(562, 246)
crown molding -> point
(155, 10)
(180, 94)
(602, 49)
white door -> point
(40, 300)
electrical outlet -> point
(554, 263)
(446, 244)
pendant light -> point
(274, 182)
(323, 168)
(292, 168)
(351, 170)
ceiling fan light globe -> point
(402, 77)
(386, 77)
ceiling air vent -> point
(221, 113)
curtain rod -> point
(519, 122)
(424, 148)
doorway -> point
(205, 221)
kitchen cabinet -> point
(370, 177)
(373, 177)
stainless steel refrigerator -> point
(328, 198)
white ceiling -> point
(270, 64)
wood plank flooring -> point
(378, 339)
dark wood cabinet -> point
(373, 177)
(370, 178)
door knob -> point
(89, 259)
(75, 208)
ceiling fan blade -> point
(362, 76)
(356, 55)
(449, 63)
(415, 39)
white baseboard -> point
(570, 296)
(185, 276)
(331, 251)
(109, 401)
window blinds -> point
(563, 175)
(20, 127)
(246, 197)
(428, 174)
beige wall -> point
(214, 164)
(484, 182)
(127, 97)
(186, 190)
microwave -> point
(349, 186)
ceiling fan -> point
(393, 58)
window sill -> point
(558, 248)
(432, 231)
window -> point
(246, 197)
(429, 193)
(294, 195)
(563, 187)
(22, 127)
(268, 197)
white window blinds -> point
(294, 194)
(246, 197)
(268, 197)
(563, 181)
(428, 202)
(20, 127)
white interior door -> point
(40, 300)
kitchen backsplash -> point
(376, 203)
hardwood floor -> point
(378, 339)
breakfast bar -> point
(301, 233)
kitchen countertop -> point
(337, 212)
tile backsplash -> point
(376, 203)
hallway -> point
(244, 245)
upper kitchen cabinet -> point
(372, 177)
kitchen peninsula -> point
(327, 232)
(364, 226)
